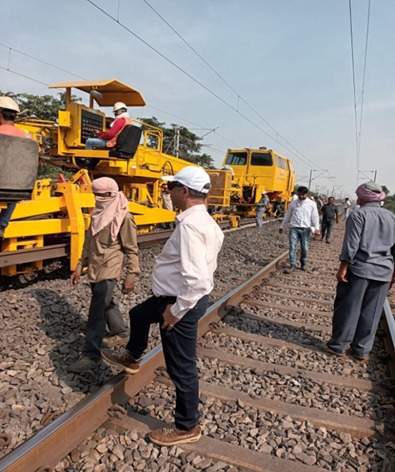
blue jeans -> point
(179, 349)
(326, 228)
(96, 143)
(6, 213)
(259, 216)
(302, 235)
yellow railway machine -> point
(62, 208)
(254, 170)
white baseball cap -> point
(192, 177)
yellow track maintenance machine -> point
(255, 170)
(59, 210)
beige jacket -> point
(104, 257)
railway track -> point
(271, 398)
(62, 249)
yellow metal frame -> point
(65, 207)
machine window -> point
(261, 159)
(281, 163)
(237, 158)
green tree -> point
(44, 107)
(189, 146)
(385, 189)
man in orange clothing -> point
(9, 110)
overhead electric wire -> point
(363, 81)
(71, 73)
(306, 160)
(239, 97)
(24, 76)
(358, 127)
(354, 86)
(40, 60)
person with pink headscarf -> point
(364, 275)
(110, 240)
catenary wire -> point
(363, 81)
(239, 97)
(354, 87)
(39, 60)
(83, 78)
(297, 155)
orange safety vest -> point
(112, 142)
(12, 130)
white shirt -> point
(302, 214)
(185, 268)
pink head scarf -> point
(108, 210)
(370, 192)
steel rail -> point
(54, 251)
(48, 446)
(389, 317)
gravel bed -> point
(43, 320)
(299, 292)
(297, 389)
(316, 361)
(273, 329)
(297, 316)
(305, 337)
(303, 281)
(129, 452)
(274, 434)
(289, 302)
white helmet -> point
(7, 103)
(118, 106)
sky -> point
(290, 75)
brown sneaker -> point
(289, 270)
(115, 341)
(359, 357)
(121, 358)
(171, 436)
(329, 350)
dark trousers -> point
(326, 228)
(179, 349)
(357, 311)
(102, 311)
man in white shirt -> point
(181, 281)
(346, 207)
(302, 215)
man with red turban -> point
(364, 275)
(110, 239)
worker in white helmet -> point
(9, 110)
(107, 139)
